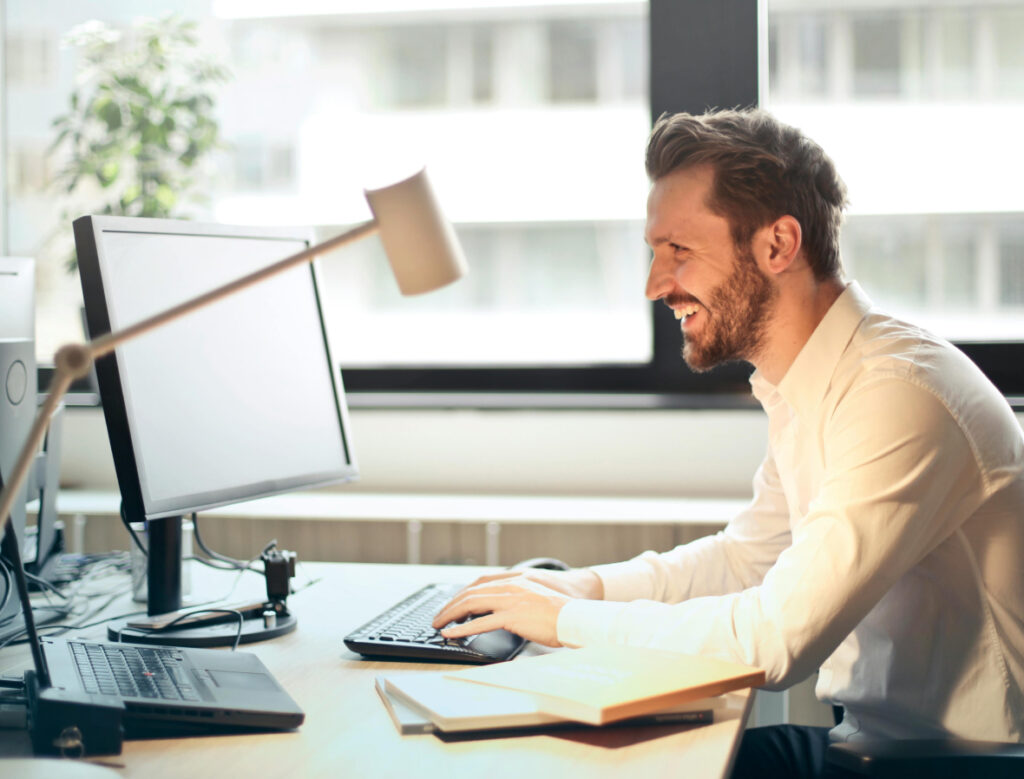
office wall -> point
(622, 452)
(656, 453)
(629, 453)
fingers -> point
(523, 607)
(446, 614)
(468, 602)
(479, 625)
(491, 577)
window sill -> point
(557, 401)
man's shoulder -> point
(900, 364)
(886, 347)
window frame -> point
(702, 55)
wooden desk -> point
(348, 733)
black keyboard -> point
(132, 672)
(404, 630)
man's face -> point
(723, 300)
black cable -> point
(7, 568)
(233, 562)
(72, 601)
(8, 584)
(132, 532)
(15, 638)
(58, 630)
(193, 612)
(43, 583)
(80, 626)
(212, 558)
(61, 629)
(22, 635)
(215, 564)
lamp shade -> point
(420, 243)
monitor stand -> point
(163, 580)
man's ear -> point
(783, 239)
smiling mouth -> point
(686, 311)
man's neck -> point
(798, 312)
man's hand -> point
(525, 602)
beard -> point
(742, 306)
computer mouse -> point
(548, 563)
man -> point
(884, 546)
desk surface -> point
(347, 732)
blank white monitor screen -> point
(234, 401)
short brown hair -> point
(764, 169)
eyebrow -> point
(659, 240)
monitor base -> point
(219, 634)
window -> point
(912, 116)
(533, 118)
(877, 58)
(29, 59)
(572, 61)
(481, 64)
(1011, 266)
(416, 60)
(532, 121)
(263, 166)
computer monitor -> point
(236, 401)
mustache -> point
(673, 301)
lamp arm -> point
(62, 378)
(105, 344)
(74, 361)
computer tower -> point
(18, 390)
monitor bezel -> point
(88, 232)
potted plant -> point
(140, 128)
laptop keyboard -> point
(405, 630)
(133, 672)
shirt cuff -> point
(626, 581)
(586, 622)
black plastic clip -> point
(72, 724)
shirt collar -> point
(807, 379)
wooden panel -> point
(457, 543)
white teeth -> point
(688, 311)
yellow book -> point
(603, 684)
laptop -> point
(86, 696)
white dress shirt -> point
(884, 543)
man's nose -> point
(660, 279)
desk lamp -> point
(419, 242)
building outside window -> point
(532, 118)
(532, 121)
(920, 105)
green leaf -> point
(108, 111)
(107, 173)
(165, 197)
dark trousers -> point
(784, 751)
